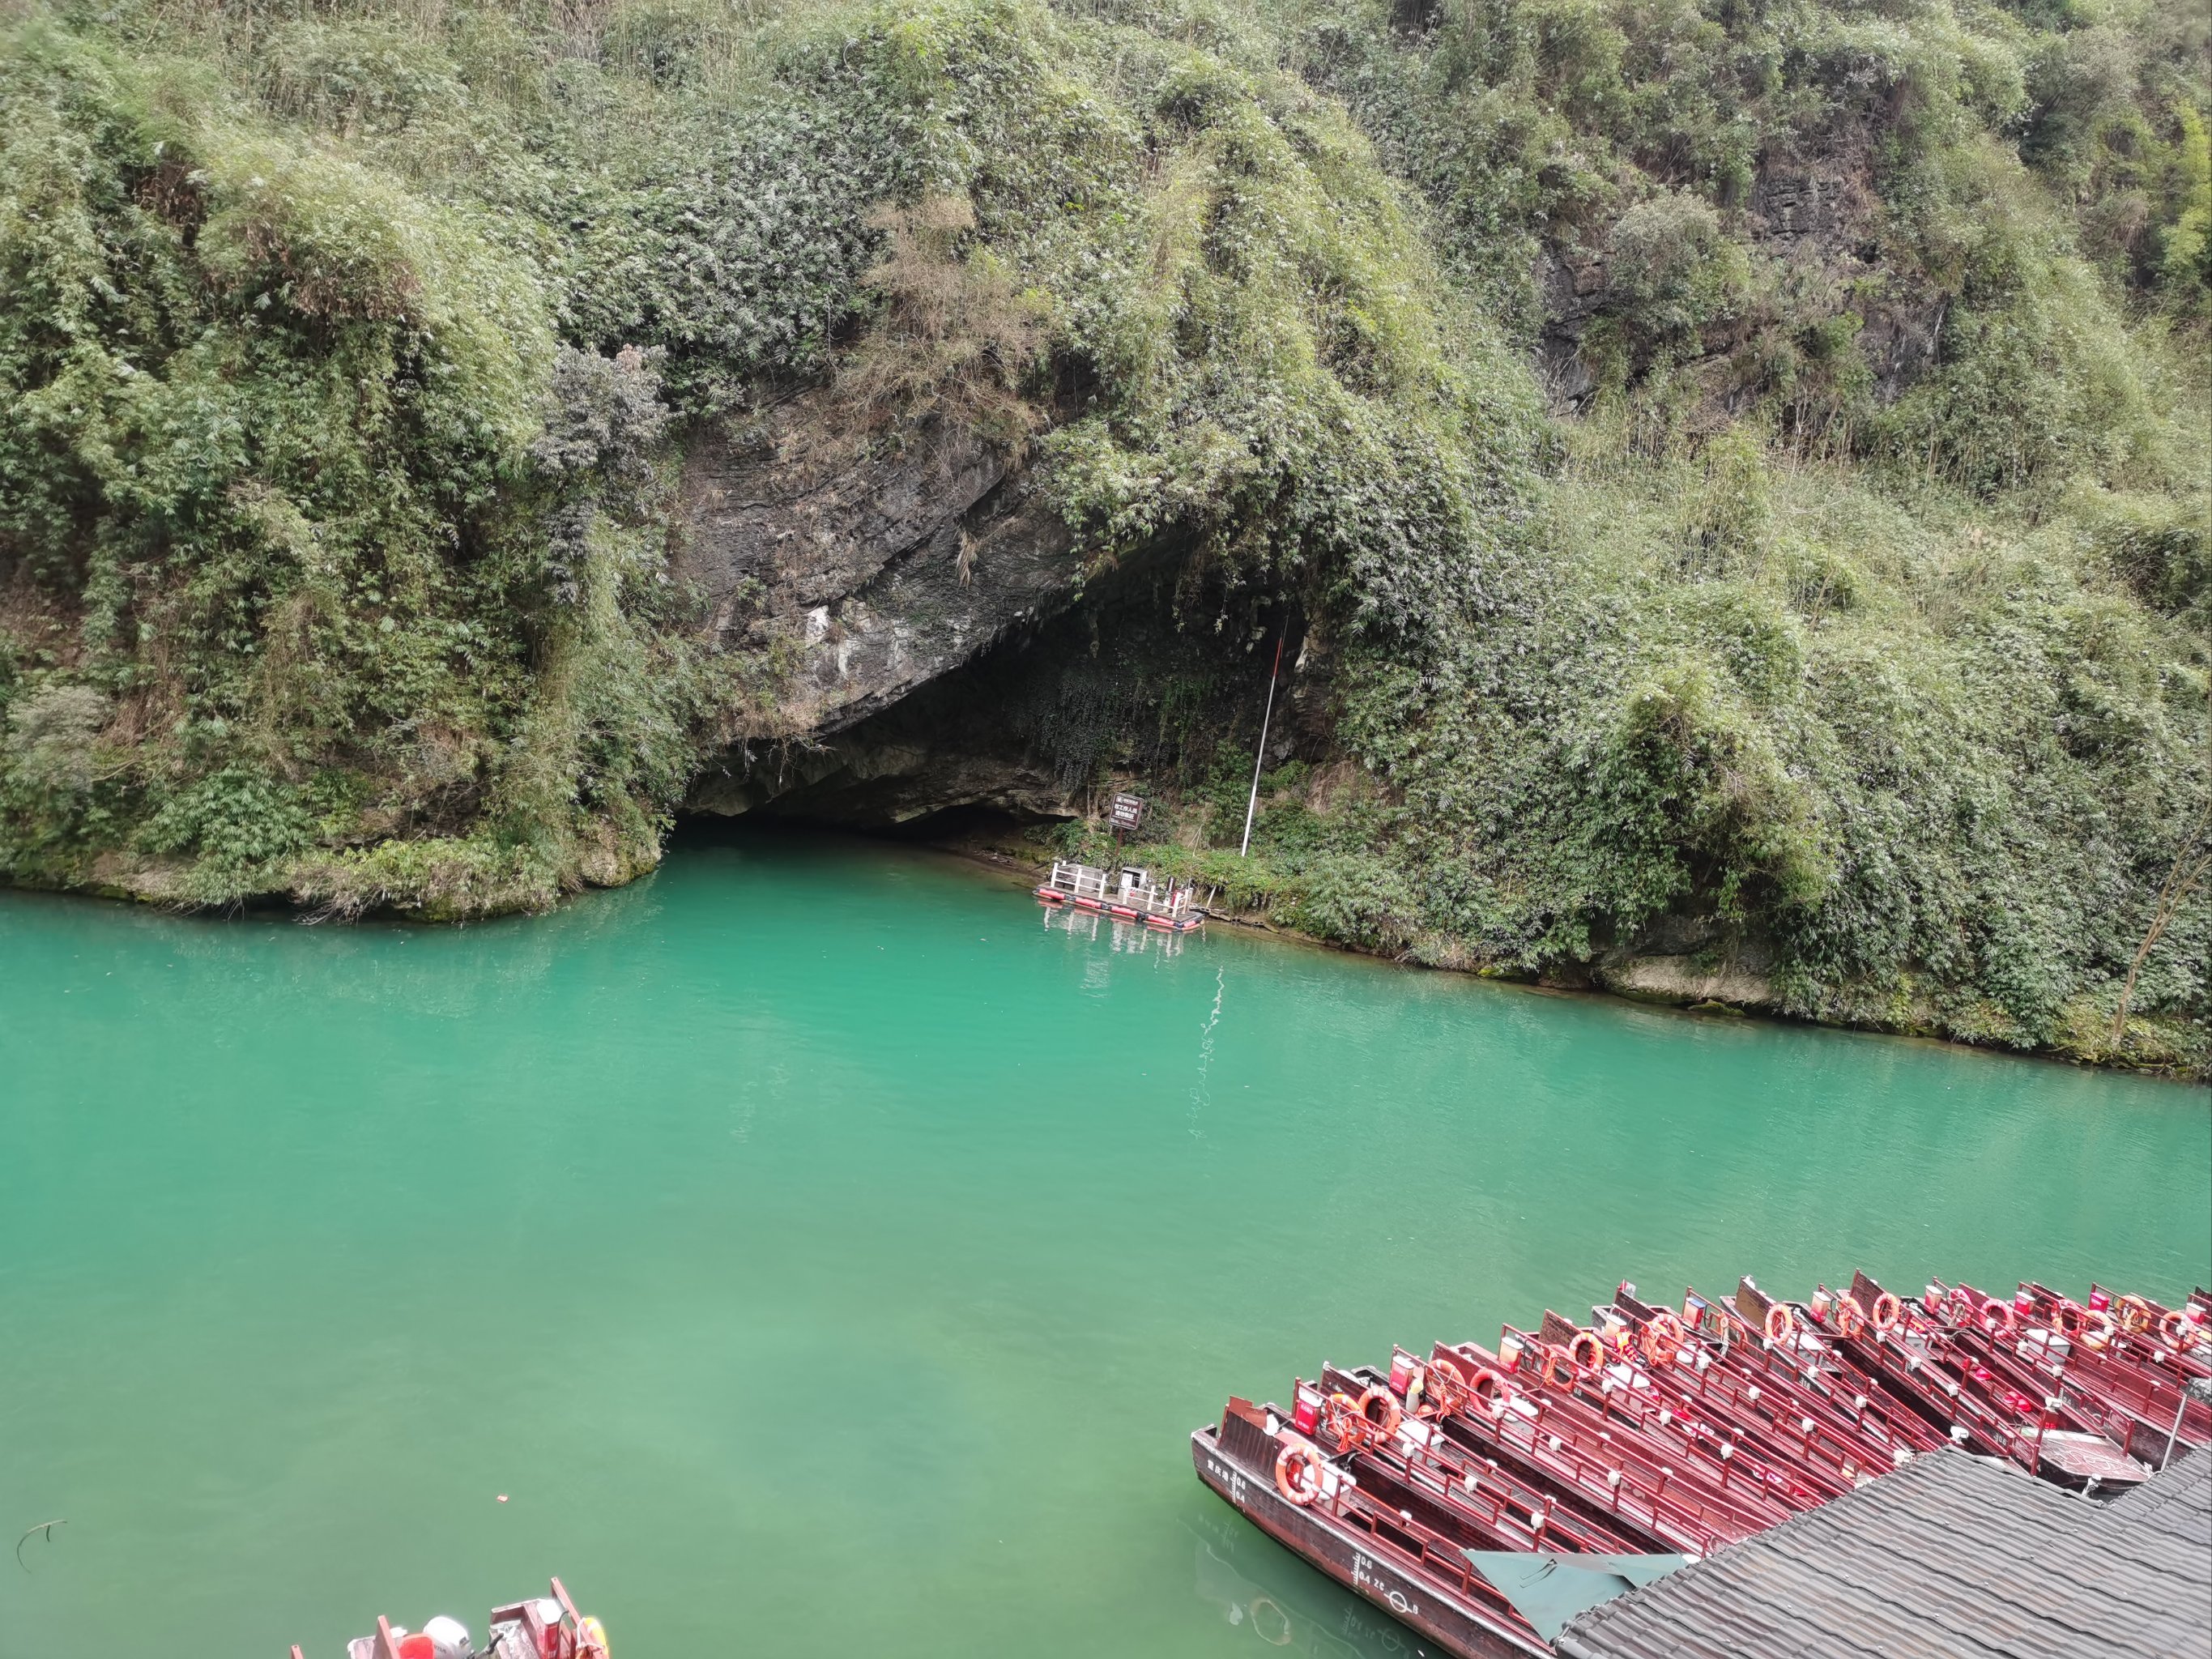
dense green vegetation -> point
(1851, 610)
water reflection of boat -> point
(1286, 1605)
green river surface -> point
(826, 1254)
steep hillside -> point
(1732, 478)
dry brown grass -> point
(954, 343)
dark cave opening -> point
(1131, 684)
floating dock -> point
(1126, 894)
(1490, 1499)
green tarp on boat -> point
(1547, 1590)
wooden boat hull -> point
(1338, 1552)
(1255, 1582)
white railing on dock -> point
(1174, 902)
(1078, 880)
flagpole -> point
(1260, 759)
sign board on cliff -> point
(1128, 812)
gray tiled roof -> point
(2177, 1503)
(1950, 1555)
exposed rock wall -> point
(1820, 226)
(1125, 683)
(873, 575)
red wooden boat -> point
(1855, 1427)
(2098, 1334)
(1653, 1370)
(1391, 1556)
(1469, 1430)
(1552, 1444)
(1780, 1417)
(1802, 1360)
(2150, 1335)
(1735, 1460)
(1406, 1442)
(2142, 1404)
(545, 1627)
(1922, 1360)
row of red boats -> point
(1651, 1436)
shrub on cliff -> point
(269, 484)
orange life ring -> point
(1779, 1323)
(1345, 1420)
(1850, 1318)
(2135, 1316)
(2098, 1330)
(1998, 1318)
(1494, 1400)
(1305, 1486)
(1596, 1350)
(1883, 1321)
(1556, 1359)
(1662, 1337)
(1387, 1424)
(2067, 1317)
(2178, 1332)
(1959, 1307)
(1444, 1388)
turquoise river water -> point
(825, 1254)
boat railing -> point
(1727, 1334)
(1524, 1515)
(1669, 1506)
(1729, 1482)
(1846, 1433)
(1806, 1471)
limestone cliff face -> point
(1820, 226)
(882, 578)
(868, 573)
(870, 576)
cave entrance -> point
(1041, 729)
